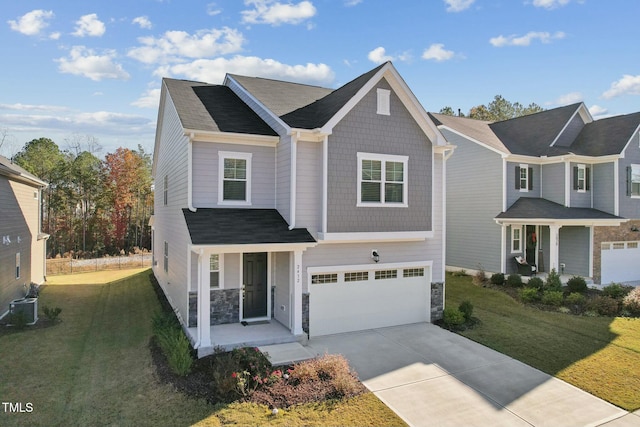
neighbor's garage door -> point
(359, 299)
(620, 262)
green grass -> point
(600, 355)
(94, 367)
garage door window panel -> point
(386, 274)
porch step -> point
(286, 354)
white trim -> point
(526, 186)
(615, 222)
(616, 187)
(635, 132)
(520, 240)
(568, 122)
(190, 177)
(504, 184)
(325, 184)
(293, 181)
(383, 158)
(366, 267)
(395, 236)
(222, 155)
(383, 102)
(220, 270)
(583, 167)
(590, 251)
(503, 247)
(480, 143)
(231, 138)
(258, 247)
(568, 184)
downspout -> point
(325, 178)
(190, 174)
(293, 186)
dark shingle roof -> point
(241, 227)
(606, 136)
(537, 208)
(533, 134)
(214, 108)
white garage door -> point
(620, 262)
(354, 299)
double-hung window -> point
(581, 178)
(382, 180)
(524, 178)
(516, 238)
(166, 257)
(633, 180)
(234, 178)
(214, 271)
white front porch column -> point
(554, 244)
(204, 301)
(297, 292)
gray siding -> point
(579, 199)
(309, 186)
(169, 225)
(571, 132)
(512, 193)
(283, 178)
(574, 250)
(603, 178)
(629, 206)
(280, 281)
(362, 130)
(553, 182)
(205, 174)
(474, 198)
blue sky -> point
(77, 70)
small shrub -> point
(528, 295)
(51, 313)
(514, 280)
(577, 284)
(452, 317)
(535, 283)
(466, 308)
(553, 298)
(497, 279)
(460, 273)
(616, 291)
(564, 310)
(480, 278)
(576, 302)
(17, 319)
(604, 305)
(631, 302)
(173, 342)
(553, 282)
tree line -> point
(497, 110)
(92, 207)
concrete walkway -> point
(432, 377)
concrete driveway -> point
(432, 377)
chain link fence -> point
(70, 265)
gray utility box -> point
(28, 306)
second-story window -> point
(234, 178)
(524, 178)
(633, 180)
(581, 178)
(382, 180)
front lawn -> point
(94, 367)
(600, 355)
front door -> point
(254, 268)
(531, 244)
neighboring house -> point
(556, 187)
(317, 209)
(23, 248)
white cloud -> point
(214, 70)
(513, 40)
(55, 36)
(598, 111)
(275, 13)
(569, 98)
(85, 62)
(143, 21)
(627, 85)
(32, 23)
(438, 53)
(213, 10)
(379, 55)
(149, 99)
(89, 25)
(173, 46)
(32, 107)
(458, 5)
(350, 3)
(550, 4)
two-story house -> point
(556, 188)
(23, 246)
(303, 208)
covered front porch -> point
(551, 237)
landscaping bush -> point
(535, 283)
(51, 313)
(480, 278)
(616, 290)
(553, 282)
(577, 284)
(553, 298)
(466, 308)
(528, 295)
(17, 319)
(497, 279)
(452, 317)
(604, 305)
(514, 280)
(631, 302)
(576, 302)
(173, 342)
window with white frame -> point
(234, 181)
(413, 272)
(18, 265)
(581, 178)
(633, 180)
(382, 180)
(214, 271)
(384, 102)
(386, 274)
(516, 238)
(166, 190)
(318, 279)
(166, 257)
(356, 276)
(524, 178)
